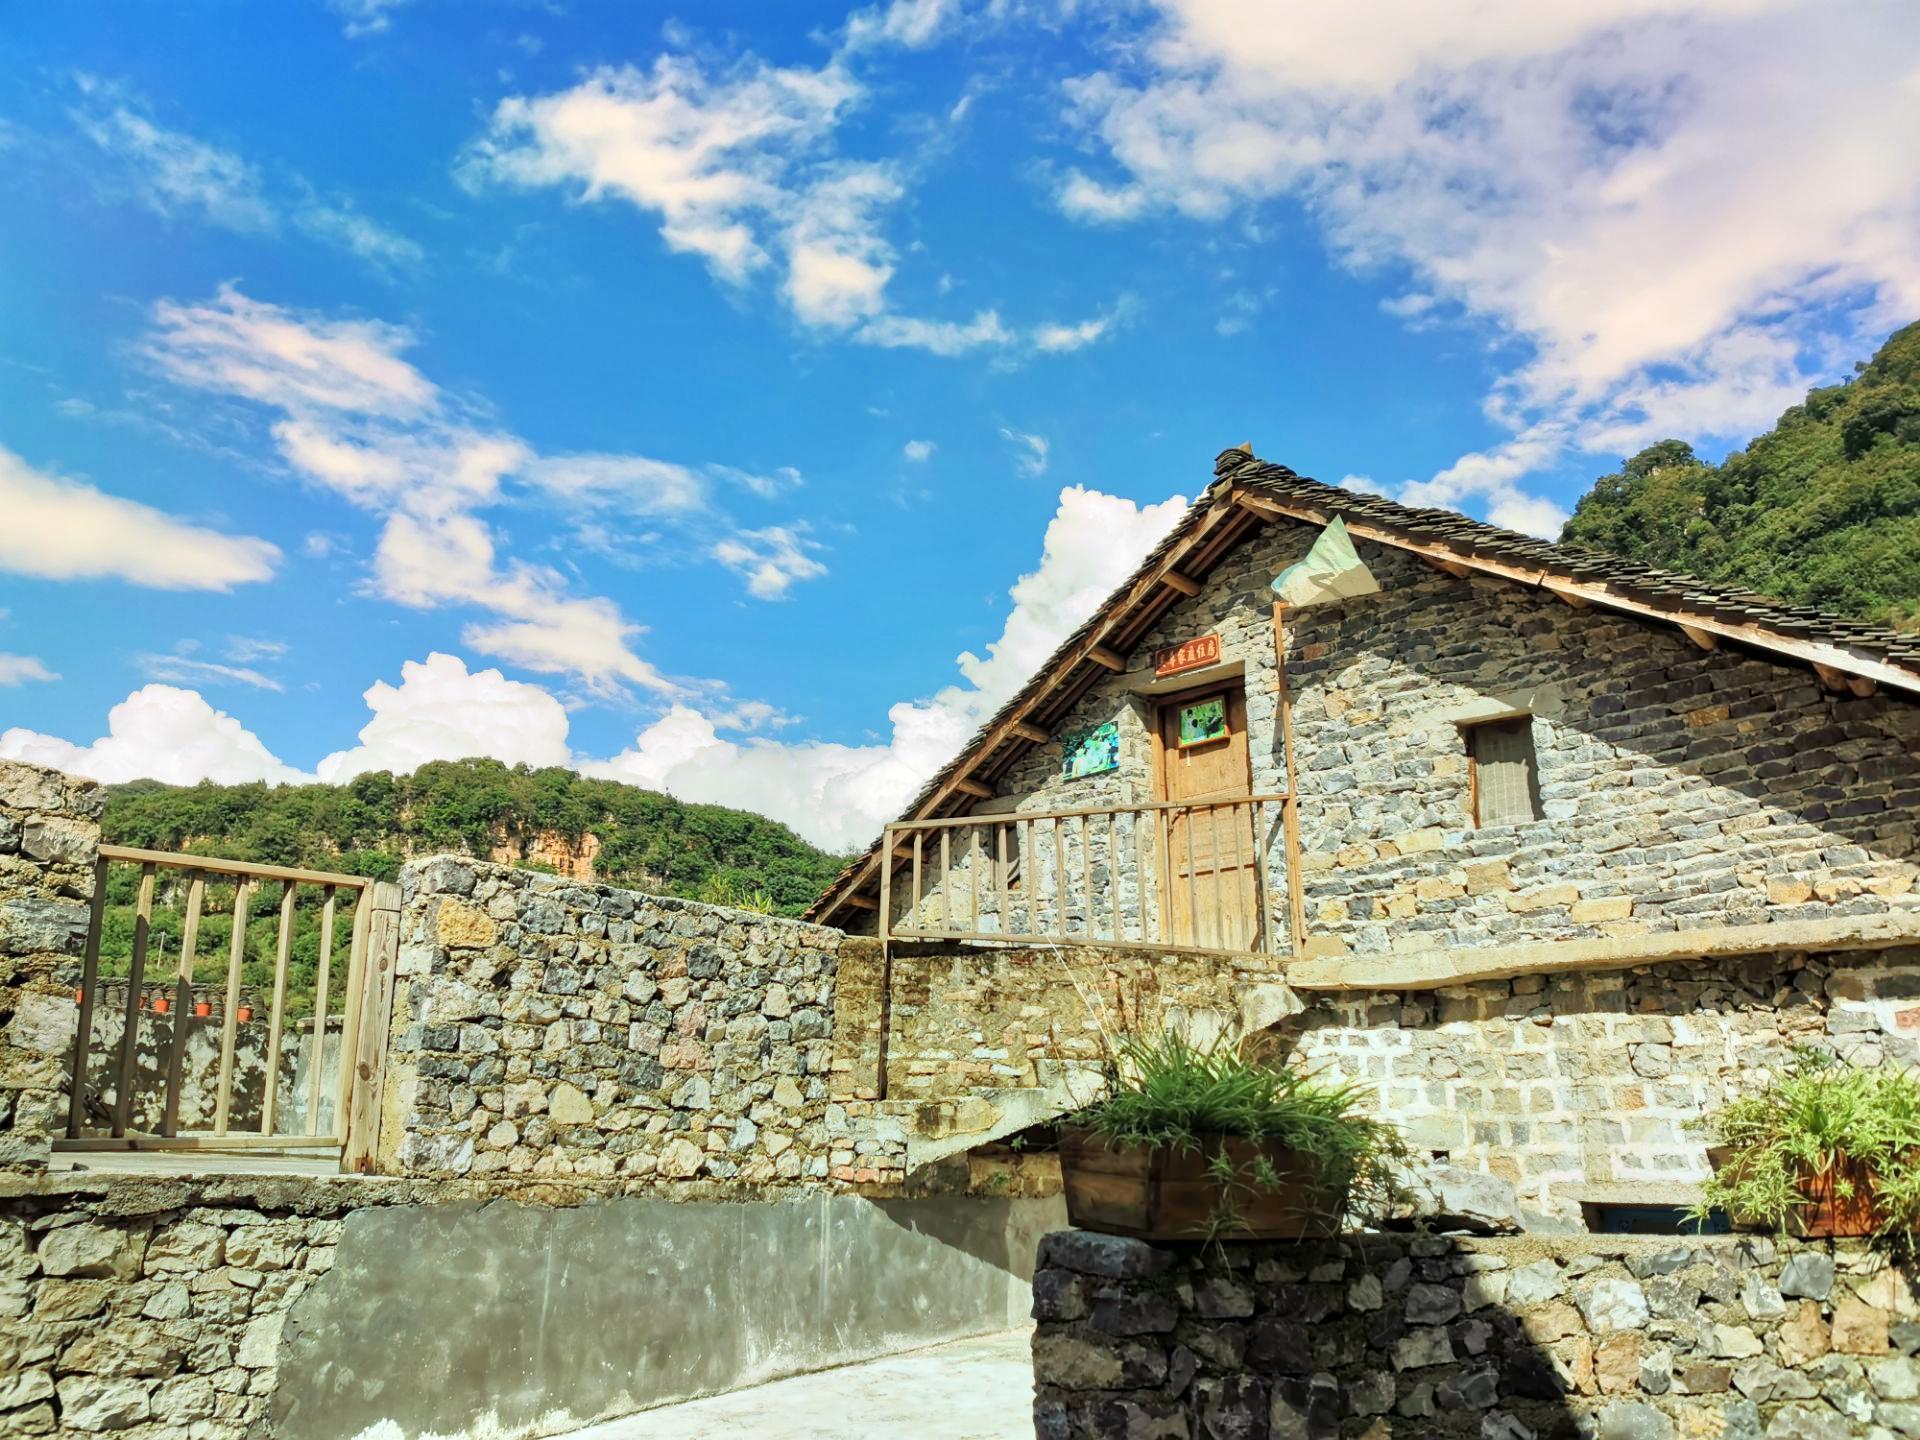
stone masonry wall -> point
(1439, 1336)
(1572, 1084)
(549, 1028)
(49, 839)
(1680, 788)
(154, 1313)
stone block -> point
(1598, 911)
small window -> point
(1505, 774)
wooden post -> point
(973, 878)
(946, 877)
(1086, 875)
(370, 1065)
(1059, 878)
(183, 1006)
(136, 977)
(886, 885)
(1290, 807)
(282, 958)
(1240, 936)
(1140, 871)
(350, 1003)
(230, 1020)
(914, 926)
(1113, 872)
(89, 981)
(1030, 873)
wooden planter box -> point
(1827, 1214)
(1170, 1194)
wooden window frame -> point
(1468, 734)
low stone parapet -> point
(1619, 1338)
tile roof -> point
(1259, 487)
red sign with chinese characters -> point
(1188, 655)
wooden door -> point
(1213, 885)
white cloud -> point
(773, 560)
(178, 176)
(172, 174)
(1032, 452)
(19, 669)
(1679, 208)
(355, 417)
(246, 649)
(158, 733)
(188, 669)
(442, 711)
(737, 167)
(911, 24)
(918, 450)
(936, 337)
(60, 529)
(347, 229)
(838, 796)
(1069, 337)
(365, 17)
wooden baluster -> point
(1193, 886)
(89, 982)
(1241, 939)
(973, 878)
(946, 878)
(350, 1004)
(136, 977)
(1000, 878)
(282, 959)
(183, 1006)
(1219, 918)
(1140, 872)
(236, 954)
(1263, 932)
(1030, 871)
(1113, 873)
(1059, 878)
(887, 861)
(1086, 877)
(316, 1059)
(918, 837)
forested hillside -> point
(482, 807)
(1824, 509)
(548, 819)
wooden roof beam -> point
(1101, 655)
(1448, 567)
(1705, 639)
(1174, 580)
(967, 785)
(1027, 730)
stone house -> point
(1550, 848)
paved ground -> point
(968, 1390)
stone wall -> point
(1496, 1339)
(544, 1027)
(325, 1309)
(1563, 1087)
(1680, 788)
(49, 839)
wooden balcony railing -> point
(335, 1095)
(1193, 875)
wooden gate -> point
(333, 1106)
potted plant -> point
(1822, 1150)
(203, 1008)
(161, 1005)
(243, 1014)
(1207, 1144)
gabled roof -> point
(1849, 657)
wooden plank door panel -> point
(1213, 883)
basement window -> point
(1503, 772)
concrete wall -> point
(1464, 1339)
(314, 1309)
(524, 1320)
(49, 840)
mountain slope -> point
(1824, 509)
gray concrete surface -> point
(501, 1319)
(979, 1389)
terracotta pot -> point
(79, 997)
(1826, 1214)
(243, 1014)
(162, 1005)
(1163, 1194)
(203, 1008)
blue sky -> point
(677, 394)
